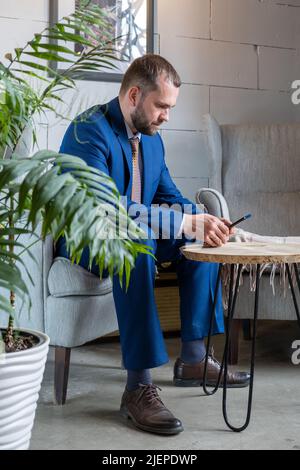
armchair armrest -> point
(214, 202)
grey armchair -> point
(69, 304)
(255, 168)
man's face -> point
(152, 110)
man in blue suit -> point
(121, 139)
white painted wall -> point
(237, 59)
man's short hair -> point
(144, 72)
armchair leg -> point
(234, 342)
(61, 374)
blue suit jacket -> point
(99, 137)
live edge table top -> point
(244, 253)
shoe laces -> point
(212, 356)
(150, 392)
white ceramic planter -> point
(21, 375)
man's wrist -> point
(193, 227)
(189, 226)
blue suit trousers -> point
(141, 337)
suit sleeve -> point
(87, 141)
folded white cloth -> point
(279, 268)
(243, 236)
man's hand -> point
(227, 222)
(212, 230)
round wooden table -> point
(240, 253)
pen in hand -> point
(247, 216)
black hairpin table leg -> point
(250, 393)
(233, 292)
(292, 288)
(212, 318)
(297, 275)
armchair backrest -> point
(257, 169)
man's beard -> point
(141, 123)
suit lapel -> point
(118, 125)
(128, 157)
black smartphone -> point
(247, 216)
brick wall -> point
(237, 60)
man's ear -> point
(134, 95)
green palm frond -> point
(58, 193)
(56, 44)
(64, 200)
(11, 279)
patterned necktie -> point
(136, 171)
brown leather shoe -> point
(147, 412)
(191, 375)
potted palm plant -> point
(39, 197)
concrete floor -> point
(90, 418)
